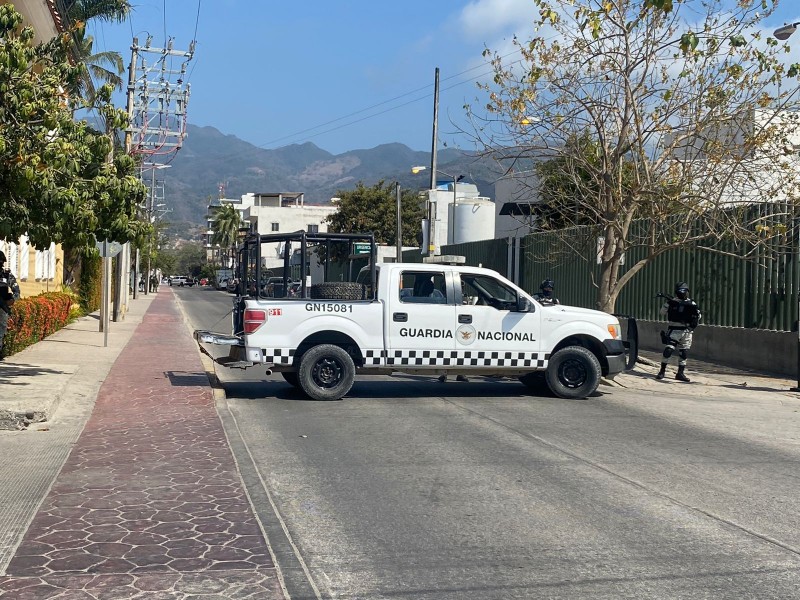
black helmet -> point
(682, 290)
(547, 287)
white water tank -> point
(471, 219)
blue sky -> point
(343, 74)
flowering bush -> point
(33, 319)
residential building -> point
(265, 213)
(38, 270)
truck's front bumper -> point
(615, 356)
(238, 356)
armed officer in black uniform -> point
(684, 316)
(545, 294)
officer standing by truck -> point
(684, 316)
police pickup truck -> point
(430, 319)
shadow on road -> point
(406, 387)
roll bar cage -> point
(252, 244)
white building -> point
(516, 199)
(265, 213)
(460, 214)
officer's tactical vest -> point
(684, 311)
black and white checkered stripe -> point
(430, 358)
(456, 358)
(278, 356)
(374, 357)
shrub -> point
(33, 319)
(90, 283)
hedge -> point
(33, 319)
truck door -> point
(421, 320)
(490, 323)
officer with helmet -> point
(684, 316)
(545, 294)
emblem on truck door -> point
(465, 335)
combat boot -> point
(660, 374)
(681, 376)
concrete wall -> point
(762, 350)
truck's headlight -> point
(614, 331)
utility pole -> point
(157, 99)
(399, 232)
(128, 145)
(432, 247)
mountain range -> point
(211, 164)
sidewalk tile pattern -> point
(149, 503)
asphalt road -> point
(409, 488)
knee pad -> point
(683, 353)
(668, 351)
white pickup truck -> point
(421, 319)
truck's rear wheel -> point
(291, 378)
(326, 372)
(339, 290)
(573, 372)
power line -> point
(374, 106)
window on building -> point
(313, 229)
(276, 227)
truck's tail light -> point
(253, 319)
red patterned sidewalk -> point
(149, 503)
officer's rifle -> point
(663, 295)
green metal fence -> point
(758, 292)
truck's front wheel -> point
(573, 372)
(326, 372)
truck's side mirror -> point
(524, 305)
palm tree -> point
(226, 227)
(104, 10)
(104, 67)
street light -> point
(456, 179)
(783, 33)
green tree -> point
(100, 67)
(190, 259)
(103, 10)
(58, 182)
(374, 209)
(227, 221)
(649, 112)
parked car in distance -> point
(181, 281)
